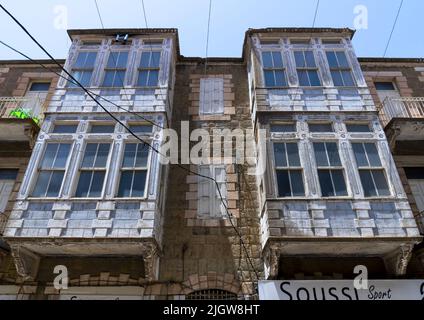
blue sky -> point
(229, 20)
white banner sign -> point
(341, 290)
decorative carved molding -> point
(150, 255)
(26, 262)
(271, 255)
(397, 261)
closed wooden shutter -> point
(211, 96)
(417, 188)
(6, 187)
(209, 200)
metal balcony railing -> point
(405, 107)
(11, 107)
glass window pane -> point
(332, 61)
(102, 128)
(313, 78)
(372, 153)
(155, 60)
(153, 78)
(113, 59)
(102, 155)
(280, 79)
(142, 78)
(39, 86)
(89, 155)
(347, 79)
(125, 182)
(337, 78)
(333, 154)
(122, 60)
(320, 155)
(49, 155)
(97, 184)
(145, 60)
(278, 61)
(65, 128)
(267, 59)
(320, 127)
(62, 155)
(283, 182)
(359, 151)
(142, 155)
(8, 174)
(269, 78)
(80, 62)
(293, 155)
(90, 59)
(358, 128)
(289, 127)
(83, 184)
(303, 78)
(367, 183)
(55, 184)
(85, 78)
(297, 183)
(325, 183)
(129, 155)
(280, 155)
(142, 128)
(339, 183)
(381, 183)
(341, 56)
(139, 184)
(41, 185)
(384, 86)
(310, 60)
(118, 80)
(108, 80)
(299, 58)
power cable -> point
(73, 82)
(207, 36)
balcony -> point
(405, 107)
(403, 122)
(19, 123)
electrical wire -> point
(130, 131)
(207, 36)
(73, 82)
(216, 183)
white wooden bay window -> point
(133, 170)
(209, 201)
(51, 170)
(211, 96)
(93, 170)
(371, 171)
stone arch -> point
(226, 282)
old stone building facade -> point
(25, 87)
(397, 87)
(96, 200)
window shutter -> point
(209, 201)
(203, 190)
(6, 187)
(218, 207)
(417, 188)
(212, 96)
